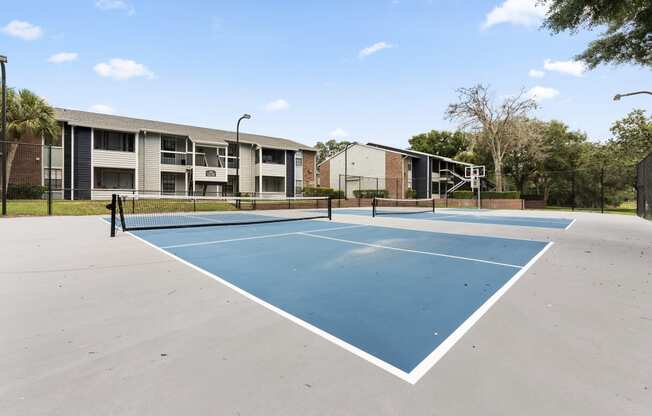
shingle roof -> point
(198, 134)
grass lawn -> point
(623, 210)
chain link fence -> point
(644, 188)
(596, 188)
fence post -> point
(3, 175)
(50, 180)
(602, 190)
(573, 191)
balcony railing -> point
(175, 159)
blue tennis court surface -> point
(449, 215)
(398, 298)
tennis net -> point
(134, 212)
(391, 206)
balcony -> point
(179, 159)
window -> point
(114, 178)
(172, 144)
(274, 156)
(299, 186)
(55, 175)
(168, 183)
(113, 140)
(273, 184)
(299, 161)
(409, 165)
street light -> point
(617, 97)
(237, 154)
(3, 186)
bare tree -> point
(494, 124)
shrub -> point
(319, 191)
(485, 195)
(370, 193)
(532, 197)
(25, 191)
(410, 193)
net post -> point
(433, 205)
(373, 207)
(113, 207)
(330, 208)
(122, 212)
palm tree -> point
(28, 115)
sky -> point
(371, 71)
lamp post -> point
(617, 97)
(3, 138)
(237, 153)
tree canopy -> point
(628, 34)
(329, 148)
(442, 143)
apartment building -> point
(371, 165)
(102, 154)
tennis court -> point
(397, 298)
(425, 210)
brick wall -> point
(486, 203)
(325, 174)
(309, 174)
(393, 165)
(26, 166)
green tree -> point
(442, 143)
(526, 155)
(628, 28)
(329, 148)
(632, 137)
(28, 115)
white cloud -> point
(536, 73)
(122, 69)
(338, 134)
(102, 108)
(516, 12)
(378, 46)
(539, 93)
(277, 105)
(61, 57)
(574, 68)
(23, 30)
(108, 5)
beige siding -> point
(247, 168)
(271, 169)
(113, 159)
(149, 166)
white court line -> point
(422, 368)
(256, 237)
(429, 253)
(335, 340)
(571, 224)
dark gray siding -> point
(289, 175)
(82, 179)
(420, 176)
(67, 153)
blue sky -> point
(366, 70)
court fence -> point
(644, 188)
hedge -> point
(485, 195)
(319, 191)
(25, 191)
(370, 193)
(532, 197)
(410, 193)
